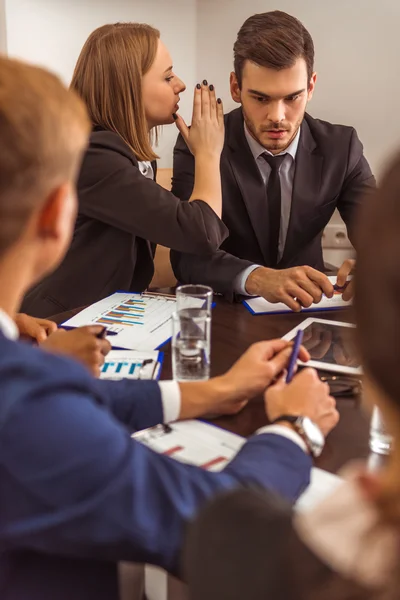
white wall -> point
(52, 33)
(357, 51)
(3, 27)
(357, 46)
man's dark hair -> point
(274, 40)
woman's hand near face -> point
(206, 134)
(205, 140)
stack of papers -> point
(136, 321)
(260, 306)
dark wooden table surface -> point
(234, 329)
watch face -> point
(313, 432)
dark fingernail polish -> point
(174, 116)
(219, 100)
(211, 88)
(205, 82)
(198, 86)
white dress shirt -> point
(286, 176)
(146, 169)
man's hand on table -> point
(296, 287)
(248, 377)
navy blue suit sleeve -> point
(75, 484)
(136, 404)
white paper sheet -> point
(260, 306)
(212, 448)
(140, 321)
(129, 364)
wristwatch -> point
(308, 430)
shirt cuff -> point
(285, 432)
(239, 283)
(171, 400)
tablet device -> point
(330, 344)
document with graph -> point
(136, 321)
(132, 364)
(212, 448)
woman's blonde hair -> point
(108, 77)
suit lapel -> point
(306, 188)
(249, 180)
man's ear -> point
(56, 213)
(311, 86)
(235, 89)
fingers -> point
(290, 302)
(93, 329)
(196, 116)
(220, 112)
(321, 280)
(38, 333)
(105, 347)
(311, 288)
(182, 127)
(49, 326)
(304, 354)
(279, 362)
(269, 348)
(213, 102)
(205, 101)
(349, 291)
(345, 270)
(302, 297)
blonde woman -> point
(125, 76)
(247, 545)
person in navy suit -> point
(77, 494)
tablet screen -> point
(331, 344)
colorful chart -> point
(131, 312)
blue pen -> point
(102, 333)
(294, 356)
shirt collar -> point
(7, 326)
(257, 149)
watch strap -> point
(289, 418)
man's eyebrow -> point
(258, 93)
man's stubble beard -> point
(272, 145)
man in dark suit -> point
(283, 173)
(77, 494)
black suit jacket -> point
(331, 172)
(122, 215)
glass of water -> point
(194, 296)
(380, 441)
(191, 343)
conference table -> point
(234, 329)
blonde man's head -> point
(43, 133)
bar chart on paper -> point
(140, 321)
(128, 313)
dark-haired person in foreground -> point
(249, 545)
(77, 494)
(283, 174)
